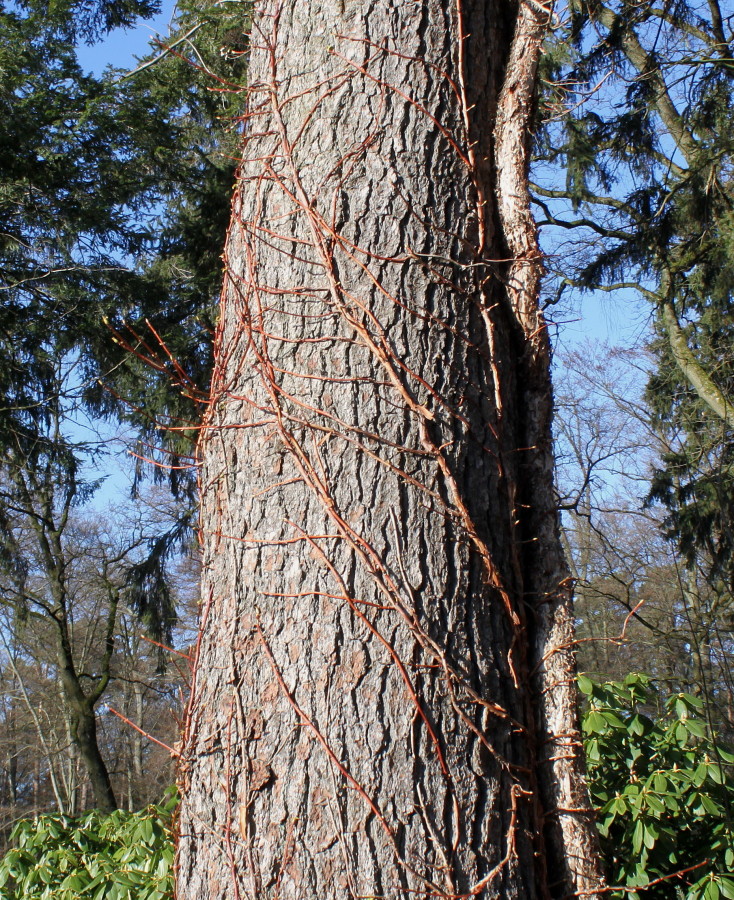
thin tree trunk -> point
(81, 705)
(136, 773)
(70, 771)
(37, 725)
(384, 701)
(138, 736)
(130, 780)
(36, 786)
(84, 730)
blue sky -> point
(124, 46)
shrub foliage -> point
(663, 788)
(121, 856)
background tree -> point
(74, 582)
(114, 202)
(644, 145)
(384, 701)
(641, 608)
(65, 663)
(113, 212)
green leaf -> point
(639, 878)
(710, 805)
(613, 719)
(696, 728)
(595, 723)
(650, 836)
(655, 803)
(147, 830)
(586, 685)
(637, 837)
(637, 725)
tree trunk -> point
(137, 739)
(83, 729)
(384, 702)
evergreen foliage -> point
(647, 153)
(121, 856)
(163, 328)
(663, 788)
(114, 199)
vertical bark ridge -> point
(363, 713)
(569, 827)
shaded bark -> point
(384, 700)
(80, 702)
(83, 720)
(84, 731)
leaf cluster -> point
(663, 788)
(121, 856)
(644, 140)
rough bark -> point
(83, 725)
(384, 703)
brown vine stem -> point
(374, 809)
(145, 734)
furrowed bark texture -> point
(383, 703)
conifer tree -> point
(114, 199)
(647, 154)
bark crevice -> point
(373, 615)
